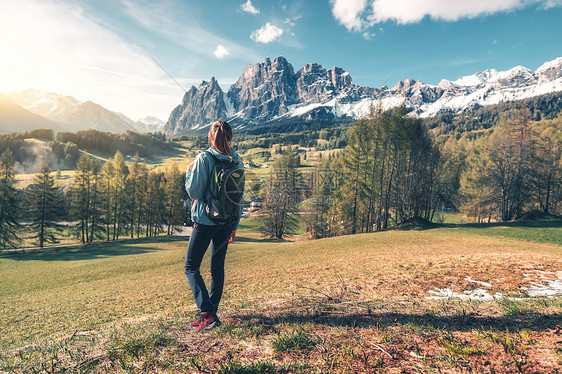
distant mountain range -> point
(271, 96)
(65, 113)
(271, 93)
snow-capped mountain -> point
(14, 118)
(149, 124)
(272, 91)
(75, 115)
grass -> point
(546, 230)
(346, 304)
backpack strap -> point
(213, 156)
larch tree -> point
(283, 194)
(9, 224)
(45, 204)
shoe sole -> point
(210, 326)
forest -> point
(104, 202)
(65, 147)
(393, 172)
(384, 171)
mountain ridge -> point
(270, 92)
(74, 115)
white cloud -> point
(552, 3)
(267, 33)
(411, 11)
(348, 13)
(186, 32)
(357, 15)
(368, 35)
(221, 52)
(249, 8)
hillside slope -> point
(351, 303)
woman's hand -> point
(232, 236)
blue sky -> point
(105, 50)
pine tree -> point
(9, 225)
(173, 188)
(44, 199)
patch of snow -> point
(476, 294)
(511, 73)
(556, 63)
(553, 288)
(485, 284)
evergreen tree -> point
(44, 200)
(9, 225)
(173, 188)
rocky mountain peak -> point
(200, 107)
(264, 90)
(549, 71)
(271, 91)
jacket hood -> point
(220, 156)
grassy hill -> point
(347, 304)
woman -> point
(206, 231)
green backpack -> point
(226, 189)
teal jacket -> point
(197, 181)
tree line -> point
(104, 202)
(393, 172)
(514, 170)
(66, 146)
(543, 107)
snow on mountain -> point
(149, 124)
(47, 104)
(75, 114)
(272, 91)
(14, 118)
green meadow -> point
(354, 303)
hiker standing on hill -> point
(215, 183)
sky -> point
(132, 56)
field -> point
(347, 304)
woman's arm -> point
(196, 178)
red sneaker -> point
(208, 320)
(197, 321)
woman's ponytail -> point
(220, 134)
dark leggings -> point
(199, 241)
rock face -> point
(199, 107)
(271, 92)
(265, 90)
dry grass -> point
(346, 304)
